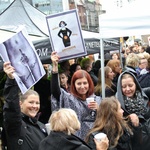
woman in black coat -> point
(64, 123)
(135, 100)
(22, 128)
(109, 120)
(110, 87)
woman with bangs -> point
(81, 88)
(135, 100)
(109, 120)
(22, 130)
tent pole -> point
(120, 50)
(102, 67)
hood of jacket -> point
(119, 93)
(131, 69)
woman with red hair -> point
(81, 88)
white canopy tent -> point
(133, 19)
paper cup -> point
(100, 136)
(47, 126)
(89, 99)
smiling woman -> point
(128, 85)
(81, 88)
(110, 88)
(135, 101)
(30, 103)
(20, 115)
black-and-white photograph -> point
(21, 53)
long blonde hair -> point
(108, 82)
(109, 121)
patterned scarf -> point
(136, 104)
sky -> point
(111, 5)
(107, 5)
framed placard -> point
(66, 35)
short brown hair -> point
(23, 97)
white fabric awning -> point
(131, 20)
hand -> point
(93, 105)
(9, 70)
(102, 145)
(134, 119)
(54, 58)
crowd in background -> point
(124, 115)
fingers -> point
(102, 145)
(53, 53)
(93, 105)
(134, 119)
(54, 57)
(8, 69)
(6, 64)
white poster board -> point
(66, 35)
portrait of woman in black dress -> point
(64, 33)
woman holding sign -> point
(22, 128)
(81, 88)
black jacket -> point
(145, 118)
(22, 132)
(108, 91)
(144, 92)
(124, 143)
(62, 141)
(144, 80)
(130, 69)
(93, 77)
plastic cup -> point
(47, 126)
(100, 136)
(89, 99)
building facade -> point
(88, 10)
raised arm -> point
(55, 88)
(11, 111)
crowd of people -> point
(60, 99)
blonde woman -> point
(110, 88)
(21, 125)
(132, 62)
(64, 123)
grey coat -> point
(62, 99)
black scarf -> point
(135, 104)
